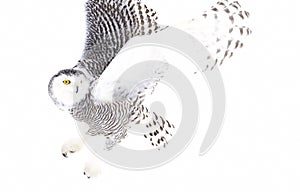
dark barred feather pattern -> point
(235, 26)
(222, 29)
(163, 128)
(108, 119)
(113, 119)
(110, 24)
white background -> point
(258, 149)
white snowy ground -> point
(259, 147)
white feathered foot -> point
(71, 146)
(92, 169)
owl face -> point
(68, 88)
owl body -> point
(107, 118)
(110, 25)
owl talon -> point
(71, 146)
(91, 169)
(84, 173)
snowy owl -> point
(110, 25)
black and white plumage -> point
(110, 25)
(222, 29)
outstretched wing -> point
(110, 24)
(118, 83)
(222, 29)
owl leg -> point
(113, 139)
(71, 146)
(109, 143)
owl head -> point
(68, 88)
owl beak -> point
(76, 89)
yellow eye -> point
(67, 82)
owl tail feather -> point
(162, 129)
